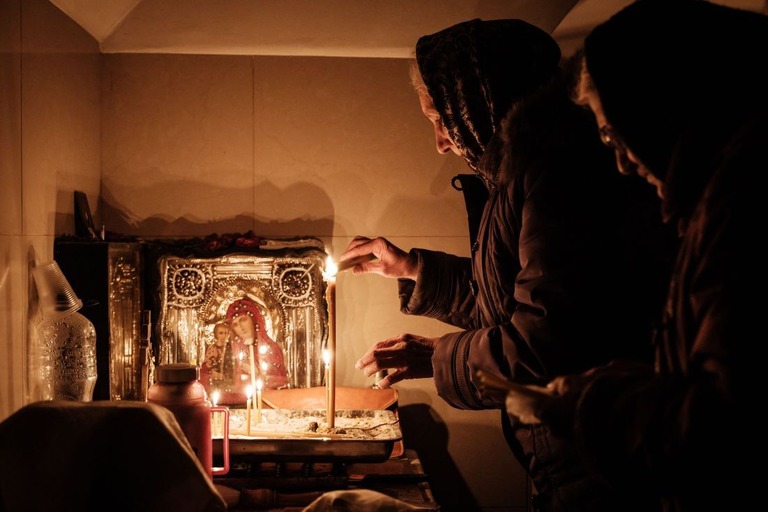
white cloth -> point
(358, 500)
(111, 455)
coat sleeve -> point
(567, 288)
(442, 289)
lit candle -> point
(327, 361)
(252, 364)
(216, 418)
(330, 296)
(248, 393)
(259, 385)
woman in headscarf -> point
(680, 92)
(562, 275)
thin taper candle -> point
(259, 385)
(330, 275)
(253, 364)
(327, 361)
(248, 393)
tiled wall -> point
(50, 146)
(185, 145)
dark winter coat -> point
(689, 430)
(566, 273)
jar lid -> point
(177, 372)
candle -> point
(248, 393)
(259, 385)
(252, 364)
(327, 361)
(216, 418)
(330, 276)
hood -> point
(476, 69)
(676, 80)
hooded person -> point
(681, 87)
(249, 328)
(567, 258)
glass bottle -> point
(62, 350)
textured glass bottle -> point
(62, 350)
(66, 358)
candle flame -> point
(249, 392)
(326, 356)
(259, 384)
(329, 274)
(215, 398)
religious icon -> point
(213, 312)
(256, 353)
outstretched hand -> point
(390, 261)
(407, 356)
(554, 404)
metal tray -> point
(286, 435)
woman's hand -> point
(390, 261)
(407, 356)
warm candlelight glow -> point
(329, 274)
(259, 386)
(326, 357)
(215, 398)
(248, 394)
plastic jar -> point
(178, 389)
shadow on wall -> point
(430, 440)
(180, 210)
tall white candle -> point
(330, 296)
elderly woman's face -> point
(626, 161)
(442, 138)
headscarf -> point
(475, 70)
(675, 74)
(246, 306)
